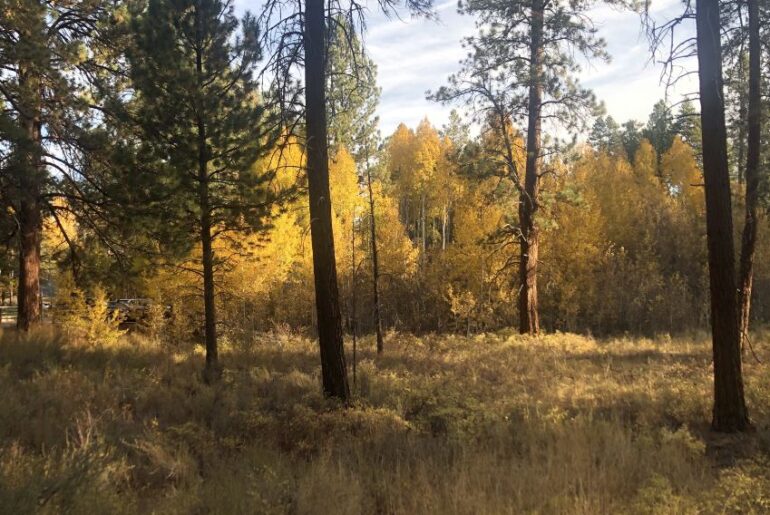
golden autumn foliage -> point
(623, 243)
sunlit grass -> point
(440, 424)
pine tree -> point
(754, 129)
(605, 135)
(736, 81)
(660, 129)
(333, 367)
(49, 53)
(687, 125)
(353, 94)
(631, 138)
(298, 38)
(199, 109)
(521, 70)
(730, 413)
(598, 135)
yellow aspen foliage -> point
(401, 163)
(623, 247)
(427, 152)
(645, 160)
(469, 275)
(626, 253)
(347, 207)
(397, 255)
(681, 170)
(574, 243)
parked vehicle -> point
(133, 311)
(130, 311)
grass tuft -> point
(496, 423)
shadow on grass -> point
(643, 357)
(26, 355)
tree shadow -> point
(642, 357)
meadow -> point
(492, 423)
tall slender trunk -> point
(333, 367)
(730, 413)
(212, 371)
(742, 121)
(444, 222)
(749, 241)
(529, 321)
(403, 204)
(422, 224)
(30, 204)
(353, 299)
(375, 265)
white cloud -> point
(415, 55)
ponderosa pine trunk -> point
(333, 368)
(212, 371)
(730, 413)
(529, 321)
(749, 240)
(375, 266)
(29, 215)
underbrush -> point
(497, 423)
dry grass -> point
(490, 424)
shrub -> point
(86, 320)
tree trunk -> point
(333, 368)
(212, 372)
(529, 321)
(353, 299)
(742, 115)
(375, 266)
(730, 413)
(29, 215)
(403, 213)
(444, 222)
(422, 224)
(749, 241)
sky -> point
(415, 55)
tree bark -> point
(375, 266)
(353, 299)
(422, 224)
(212, 371)
(29, 214)
(444, 222)
(749, 240)
(529, 321)
(742, 121)
(730, 413)
(333, 367)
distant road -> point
(9, 314)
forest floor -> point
(496, 423)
